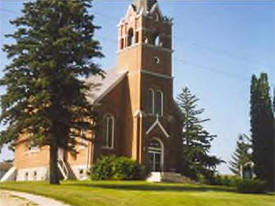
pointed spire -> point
(146, 5)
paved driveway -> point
(10, 200)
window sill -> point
(32, 151)
(82, 148)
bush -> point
(203, 180)
(225, 180)
(251, 186)
(219, 180)
(102, 170)
(117, 168)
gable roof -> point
(102, 86)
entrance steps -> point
(167, 177)
(66, 170)
(10, 175)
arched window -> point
(150, 101)
(155, 152)
(145, 40)
(121, 43)
(159, 103)
(130, 37)
(156, 16)
(157, 40)
(108, 136)
(165, 42)
(137, 37)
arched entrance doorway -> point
(155, 153)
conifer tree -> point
(262, 129)
(242, 154)
(53, 51)
(196, 140)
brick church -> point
(138, 114)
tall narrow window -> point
(150, 101)
(109, 125)
(122, 43)
(83, 142)
(137, 37)
(159, 103)
(130, 37)
(157, 40)
(157, 17)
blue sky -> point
(218, 46)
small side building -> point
(4, 168)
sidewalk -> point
(10, 198)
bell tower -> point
(145, 41)
(145, 51)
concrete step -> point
(168, 177)
(10, 175)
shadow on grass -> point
(156, 187)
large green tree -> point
(242, 154)
(262, 129)
(53, 51)
(196, 140)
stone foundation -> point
(33, 174)
(80, 172)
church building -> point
(138, 115)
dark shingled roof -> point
(102, 86)
(5, 166)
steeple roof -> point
(146, 5)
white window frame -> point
(158, 150)
(109, 116)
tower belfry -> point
(146, 5)
(145, 41)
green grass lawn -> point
(131, 193)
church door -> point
(155, 153)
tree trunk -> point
(54, 177)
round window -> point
(156, 60)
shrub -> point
(102, 170)
(202, 179)
(251, 186)
(225, 180)
(117, 168)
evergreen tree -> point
(196, 139)
(262, 129)
(45, 89)
(242, 154)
